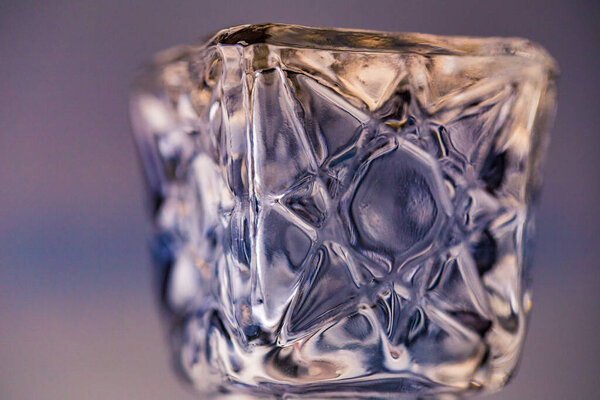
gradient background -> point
(77, 313)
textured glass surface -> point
(345, 214)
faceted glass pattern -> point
(345, 214)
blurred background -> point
(78, 318)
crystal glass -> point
(345, 214)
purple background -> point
(77, 312)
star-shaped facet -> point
(358, 224)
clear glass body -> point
(345, 214)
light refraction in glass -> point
(345, 214)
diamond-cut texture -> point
(345, 214)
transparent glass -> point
(345, 214)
